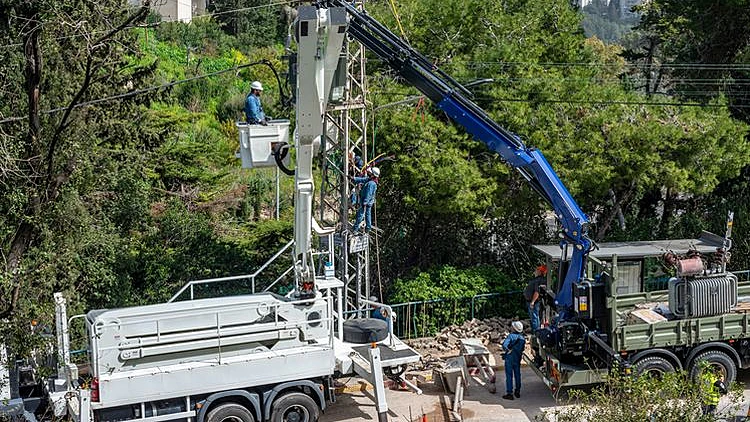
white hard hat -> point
(256, 85)
(375, 171)
(517, 326)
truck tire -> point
(717, 359)
(365, 330)
(294, 407)
(653, 366)
(230, 412)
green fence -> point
(426, 318)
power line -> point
(596, 102)
(655, 66)
(155, 24)
(134, 93)
(732, 66)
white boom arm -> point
(320, 36)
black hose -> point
(280, 151)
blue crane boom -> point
(451, 97)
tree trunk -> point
(26, 232)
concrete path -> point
(479, 404)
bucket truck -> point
(261, 357)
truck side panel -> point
(675, 333)
(195, 378)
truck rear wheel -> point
(653, 366)
(294, 407)
(230, 412)
(718, 360)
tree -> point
(698, 45)
(80, 57)
(255, 23)
(561, 93)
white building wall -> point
(170, 10)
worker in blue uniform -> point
(366, 197)
(531, 294)
(253, 108)
(513, 347)
(356, 168)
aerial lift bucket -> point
(257, 143)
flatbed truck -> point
(662, 345)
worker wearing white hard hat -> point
(366, 197)
(253, 108)
(513, 347)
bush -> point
(448, 295)
(672, 397)
(448, 282)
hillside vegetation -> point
(120, 201)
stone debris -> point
(490, 331)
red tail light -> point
(95, 389)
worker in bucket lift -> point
(253, 108)
(531, 294)
(513, 347)
(366, 197)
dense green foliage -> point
(451, 283)
(122, 201)
(671, 397)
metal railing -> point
(426, 318)
(190, 285)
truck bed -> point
(676, 332)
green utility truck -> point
(631, 313)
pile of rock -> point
(491, 330)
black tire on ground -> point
(653, 366)
(294, 407)
(717, 359)
(365, 330)
(230, 412)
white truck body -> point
(193, 347)
(166, 361)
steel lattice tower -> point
(346, 132)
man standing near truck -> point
(513, 346)
(531, 294)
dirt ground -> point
(356, 402)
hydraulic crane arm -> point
(453, 99)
